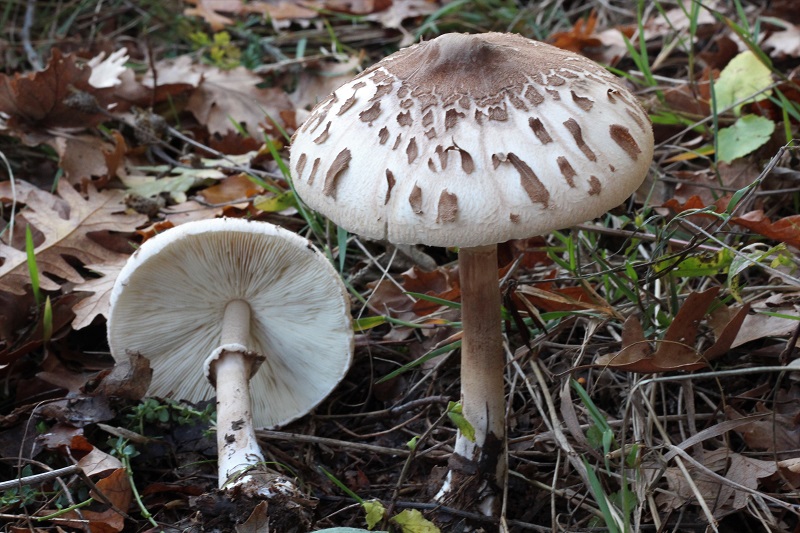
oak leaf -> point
(65, 221)
(228, 97)
(43, 100)
(676, 350)
(99, 301)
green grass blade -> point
(33, 269)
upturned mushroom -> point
(253, 308)
(468, 141)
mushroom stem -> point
(236, 439)
(482, 382)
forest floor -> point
(651, 382)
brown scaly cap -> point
(468, 140)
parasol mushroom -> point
(256, 309)
(469, 141)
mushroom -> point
(469, 141)
(248, 305)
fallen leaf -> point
(412, 521)
(98, 303)
(128, 379)
(209, 10)
(679, 19)
(32, 338)
(320, 78)
(786, 229)
(65, 235)
(257, 522)
(784, 43)
(116, 489)
(675, 351)
(777, 434)
(41, 101)
(749, 133)
(80, 411)
(400, 11)
(81, 157)
(237, 187)
(59, 436)
(574, 298)
(228, 97)
(281, 12)
(722, 498)
(745, 79)
(580, 36)
(98, 462)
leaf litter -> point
(627, 306)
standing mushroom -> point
(468, 141)
(248, 305)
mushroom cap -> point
(169, 299)
(469, 140)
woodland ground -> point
(652, 380)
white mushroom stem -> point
(482, 381)
(236, 439)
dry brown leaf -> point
(257, 522)
(721, 498)
(679, 19)
(237, 187)
(394, 16)
(574, 298)
(580, 36)
(64, 235)
(778, 433)
(99, 302)
(42, 101)
(98, 462)
(281, 10)
(676, 350)
(117, 490)
(760, 325)
(81, 157)
(320, 78)
(785, 230)
(226, 97)
(128, 379)
(181, 71)
(27, 339)
(785, 43)
(209, 10)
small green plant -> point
(126, 451)
(33, 272)
(157, 411)
(22, 495)
(217, 48)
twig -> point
(396, 410)
(33, 57)
(401, 478)
(477, 517)
(296, 437)
(642, 236)
(39, 478)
